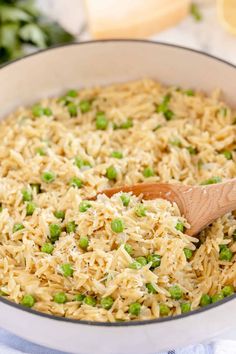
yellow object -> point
(133, 18)
(227, 14)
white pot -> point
(85, 64)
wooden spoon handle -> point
(204, 204)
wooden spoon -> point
(200, 205)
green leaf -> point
(56, 34)
(29, 7)
(9, 36)
(32, 33)
(5, 55)
(11, 14)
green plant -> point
(22, 24)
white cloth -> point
(11, 344)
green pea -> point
(101, 121)
(135, 265)
(72, 109)
(163, 108)
(188, 253)
(228, 290)
(47, 112)
(26, 195)
(89, 300)
(217, 297)
(125, 198)
(76, 182)
(59, 214)
(151, 288)
(111, 173)
(84, 242)
(148, 172)
(70, 227)
(85, 106)
(128, 248)
(117, 225)
(227, 154)
(40, 151)
(60, 298)
(67, 270)
(179, 226)
(154, 259)
(81, 163)
(84, 206)
(192, 150)
(55, 232)
(47, 248)
(128, 124)
(142, 261)
(28, 300)
(164, 310)
(205, 300)
(107, 302)
(117, 154)
(226, 254)
(176, 292)
(134, 309)
(37, 111)
(79, 297)
(36, 187)
(48, 176)
(212, 180)
(140, 211)
(72, 93)
(18, 227)
(185, 307)
(30, 208)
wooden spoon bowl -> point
(200, 205)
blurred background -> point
(29, 25)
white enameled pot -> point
(85, 64)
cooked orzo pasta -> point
(122, 258)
